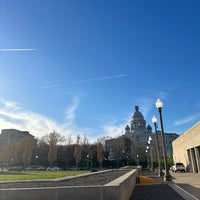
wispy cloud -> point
(162, 95)
(70, 113)
(51, 86)
(145, 104)
(85, 81)
(98, 79)
(12, 115)
(114, 131)
(17, 49)
(188, 119)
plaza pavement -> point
(189, 182)
(184, 186)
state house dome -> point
(137, 123)
(137, 115)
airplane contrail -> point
(97, 79)
(85, 81)
(18, 49)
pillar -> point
(196, 149)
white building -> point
(138, 133)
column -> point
(192, 155)
(196, 150)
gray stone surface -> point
(154, 192)
(82, 180)
(118, 189)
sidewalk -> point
(183, 186)
(189, 182)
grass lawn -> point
(32, 175)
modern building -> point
(138, 133)
(186, 149)
(12, 136)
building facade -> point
(12, 136)
(186, 149)
(138, 133)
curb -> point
(186, 195)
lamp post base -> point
(161, 173)
(167, 177)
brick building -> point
(12, 136)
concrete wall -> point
(119, 189)
(186, 148)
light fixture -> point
(159, 104)
(154, 119)
(167, 176)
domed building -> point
(137, 123)
(137, 133)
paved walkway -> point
(184, 186)
(190, 182)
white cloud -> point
(114, 131)
(187, 119)
(145, 105)
(162, 95)
(71, 110)
(14, 116)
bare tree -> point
(29, 144)
(78, 150)
(53, 139)
(100, 153)
(100, 150)
(7, 155)
(118, 149)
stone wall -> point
(118, 189)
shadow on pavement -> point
(154, 192)
(191, 189)
(159, 190)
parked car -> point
(52, 168)
(178, 167)
(16, 168)
(40, 168)
(29, 169)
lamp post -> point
(160, 172)
(138, 160)
(87, 161)
(123, 157)
(36, 157)
(91, 162)
(148, 157)
(167, 176)
(151, 154)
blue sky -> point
(80, 66)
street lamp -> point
(160, 172)
(36, 157)
(151, 153)
(167, 176)
(138, 160)
(87, 161)
(123, 157)
(148, 157)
